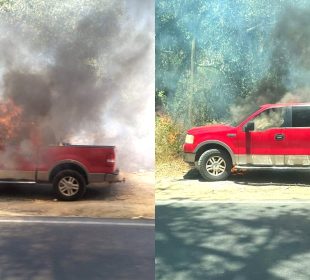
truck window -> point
(301, 116)
(239, 117)
(271, 118)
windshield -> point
(240, 114)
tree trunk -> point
(192, 83)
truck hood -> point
(210, 129)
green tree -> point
(210, 54)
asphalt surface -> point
(232, 241)
(76, 248)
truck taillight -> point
(110, 160)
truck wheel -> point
(69, 185)
(214, 165)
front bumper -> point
(105, 177)
(189, 158)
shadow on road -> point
(261, 177)
(13, 191)
(232, 242)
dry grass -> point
(171, 169)
(169, 137)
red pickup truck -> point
(28, 154)
(69, 168)
(276, 136)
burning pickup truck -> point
(276, 136)
(26, 157)
(69, 168)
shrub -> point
(169, 137)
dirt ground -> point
(133, 199)
(177, 181)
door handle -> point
(279, 137)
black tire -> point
(69, 185)
(219, 163)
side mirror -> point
(248, 127)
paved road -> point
(63, 248)
(232, 241)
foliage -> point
(48, 25)
(240, 49)
(5, 3)
(169, 137)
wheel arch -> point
(72, 165)
(208, 145)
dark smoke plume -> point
(83, 80)
(288, 78)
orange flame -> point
(10, 121)
(236, 171)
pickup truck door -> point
(297, 137)
(266, 144)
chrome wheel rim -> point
(216, 166)
(68, 186)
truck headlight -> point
(189, 139)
